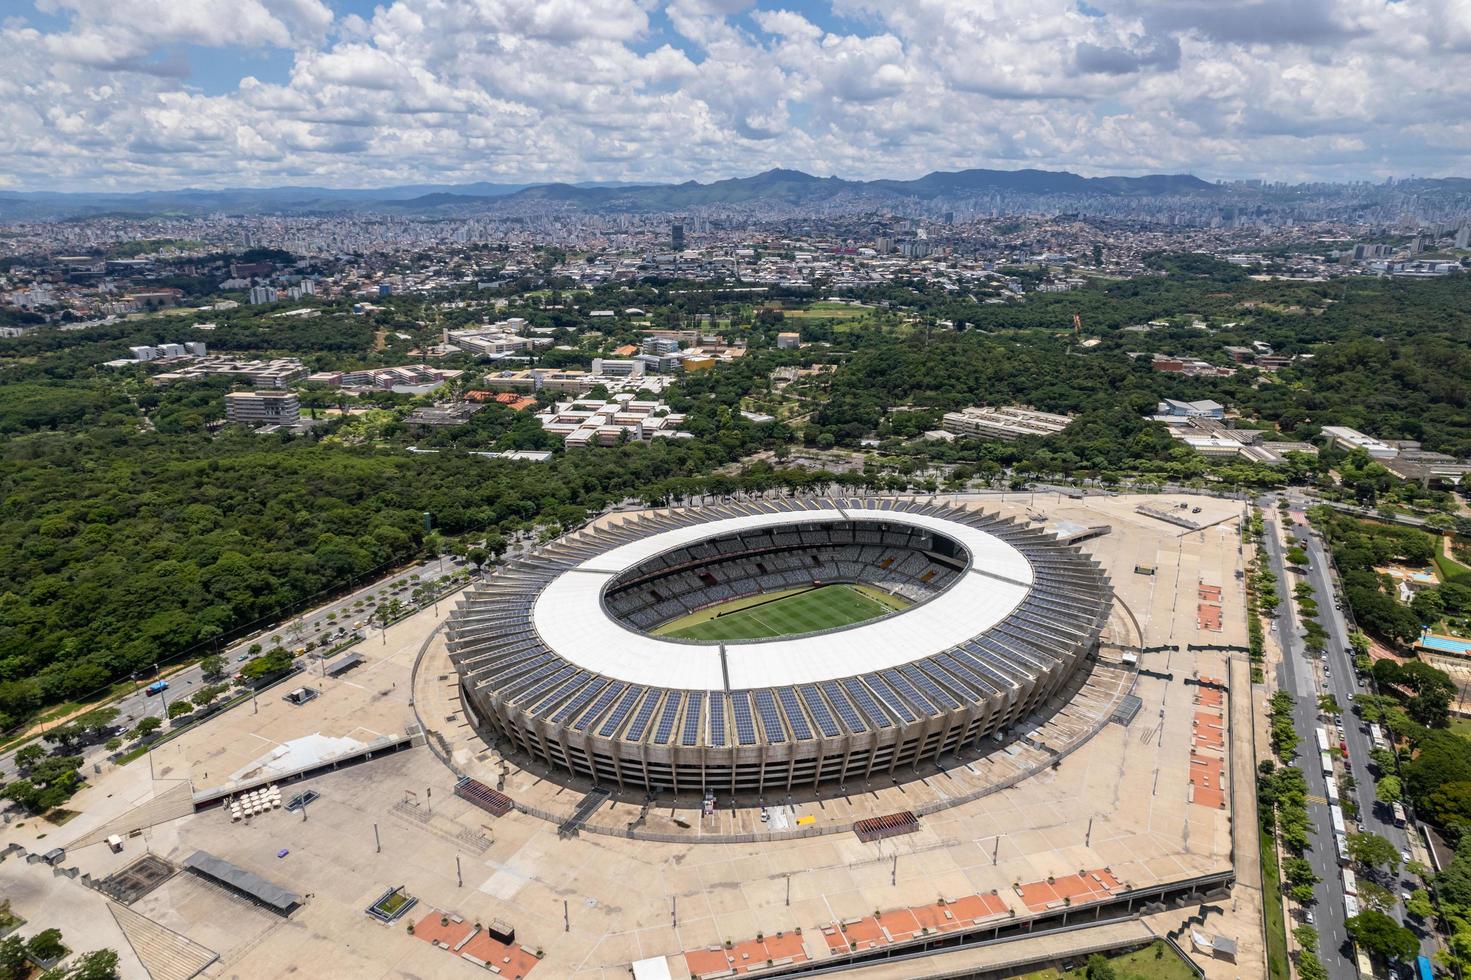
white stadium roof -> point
(570, 618)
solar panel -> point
(666, 720)
(562, 691)
(717, 718)
(820, 714)
(770, 720)
(864, 701)
(597, 709)
(793, 711)
(925, 684)
(889, 698)
(692, 718)
(905, 688)
(538, 690)
(583, 697)
(641, 720)
(621, 712)
(745, 725)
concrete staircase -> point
(175, 802)
(165, 954)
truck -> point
(157, 687)
(1398, 809)
(1423, 969)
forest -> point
(136, 529)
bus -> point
(1351, 907)
(1398, 809)
(1326, 761)
(1376, 735)
(1340, 844)
(1323, 740)
(1366, 967)
(1350, 883)
(1333, 791)
(1336, 815)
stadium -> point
(767, 646)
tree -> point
(1373, 851)
(13, 962)
(1378, 933)
(29, 756)
(45, 945)
(1099, 968)
(477, 557)
(1296, 557)
(180, 708)
(1388, 790)
(1307, 938)
(1420, 905)
(1310, 967)
(100, 964)
(1383, 759)
(147, 726)
(213, 666)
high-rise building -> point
(676, 237)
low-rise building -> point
(263, 407)
(431, 417)
(1005, 423)
(274, 373)
(595, 422)
(1350, 439)
(1172, 408)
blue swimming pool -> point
(1444, 644)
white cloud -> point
(670, 89)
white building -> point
(615, 367)
(263, 407)
(1205, 409)
(1006, 423)
(262, 294)
(1351, 439)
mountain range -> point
(773, 187)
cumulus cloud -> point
(99, 93)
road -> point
(313, 626)
(1298, 676)
(1306, 678)
(1373, 816)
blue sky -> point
(162, 93)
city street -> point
(1306, 678)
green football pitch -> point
(772, 614)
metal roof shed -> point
(242, 882)
(345, 664)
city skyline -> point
(143, 95)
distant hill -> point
(772, 188)
(796, 187)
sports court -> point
(806, 610)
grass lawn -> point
(1461, 726)
(828, 311)
(1452, 571)
(802, 610)
(1154, 962)
(1277, 966)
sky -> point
(157, 94)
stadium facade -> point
(554, 652)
